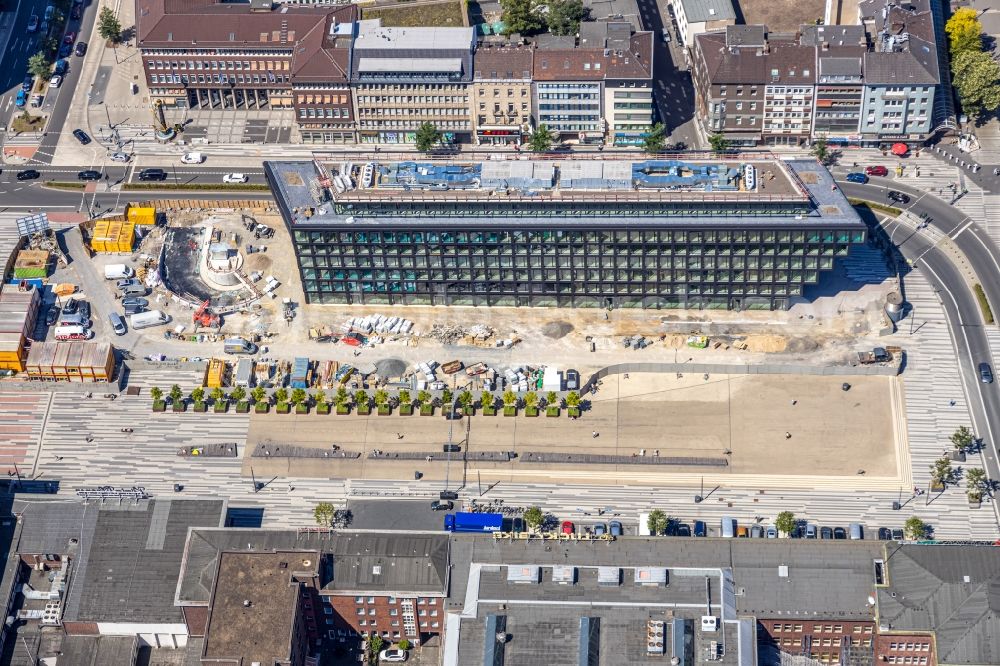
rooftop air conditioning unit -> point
(709, 623)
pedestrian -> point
(951, 403)
(788, 435)
(794, 402)
(59, 457)
(594, 434)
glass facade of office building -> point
(580, 256)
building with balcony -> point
(405, 77)
(568, 233)
(840, 57)
(501, 94)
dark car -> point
(825, 533)
(898, 197)
(28, 174)
(683, 529)
(897, 535)
(134, 302)
(81, 48)
(76, 12)
(29, 81)
(442, 505)
(699, 528)
(517, 525)
(89, 174)
(600, 529)
(152, 174)
(52, 316)
(84, 309)
(81, 136)
(857, 177)
(615, 527)
(65, 50)
(878, 170)
(72, 306)
(884, 534)
(839, 533)
(985, 373)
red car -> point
(68, 39)
(876, 171)
(567, 527)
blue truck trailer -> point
(473, 522)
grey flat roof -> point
(408, 562)
(372, 36)
(419, 65)
(700, 11)
(98, 651)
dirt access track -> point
(758, 431)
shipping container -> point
(244, 373)
(215, 374)
(84, 361)
(301, 376)
(144, 215)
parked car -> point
(28, 174)
(36, 100)
(81, 49)
(55, 81)
(21, 99)
(81, 136)
(135, 301)
(810, 531)
(897, 534)
(857, 177)
(33, 23)
(134, 309)
(28, 82)
(600, 529)
(772, 532)
(119, 157)
(839, 533)
(192, 158)
(52, 316)
(76, 13)
(152, 174)
(700, 529)
(61, 66)
(65, 50)
(898, 197)
(985, 373)
(757, 532)
(616, 528)
(126, 283)
(742, 532)
(117, 323)
(69, 37)
(436, 505)
(572, 380)
(72, 306)
(393, 655)
(877, 170)
(666, 35)
(235, 178)
(884, 534)
(683, 530)
(517, 525)
(567, 527)
(89, 174)
(825, 533)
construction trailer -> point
(71, 361)
(18, 314)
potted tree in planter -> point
(487, 400)
(239, 395)
(261, 402)
(281, 401)
(158, 404)
(509, 403)
(362, 402)
(219, 398)
(466, 400)
(573, 404)
(343, 401)
(552, 404)
(962, 440)
(177, 398)
(382, 403)
(322, 406)
(975, 479)
(301, 401)
(426, 406)
(446, 397)
(198, 398)
(531, 404)
(941, 474)
(405, 403)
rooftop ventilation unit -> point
(709, 623)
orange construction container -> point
(84, 361)
(215, 374)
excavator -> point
(202, 317)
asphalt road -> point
(964, 316)
(14, 60)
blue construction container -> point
(301, 373)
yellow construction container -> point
(215, 375)
(113, 236)
(141, 215)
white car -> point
(192, 158)
(55, 81)
(235, 178)
(120, 157)
(393, 655)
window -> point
(371, 600)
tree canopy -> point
(719, 143)
(964, 31)
(564, 16)
(521, 16)
(656, 522)
(977, 78)
(39, 65)
(427, 137)
(108, 25)
(655, 138)
(540, 140)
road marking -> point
(968, 224)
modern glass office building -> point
(566, 233)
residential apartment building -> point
(597, 89)
(213, 54)
(405, 77)
(874, 84)
(501, 94)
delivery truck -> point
(473, 522)
(239, 346)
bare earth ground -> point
(833, 433)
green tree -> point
(375, 645)
(108, 25)
(239, 394)
(964, 31)
(509, 398)
(564, 16)
(298, 396)
(426, 137)
(552, 399)
(531, 399)
(520, 16)
(785, 522)
(976, 76)
(656, 522)
(281, 396)
(176, 394)
(404, 397)
(975, 480)
(217, 395)
(540, 140)
(198, 395)
(465, 399)
(423, 397)
(156, 393)
(341, 397)
(258, 394)
(361, 399)
(381, 398)
(486, 399)
(719, 143)
(915, 529)
(821, 150)
(941, 471)
(534, 517)
(404, 644)
(572, 399)
(655, 138)
(320, 397)
(40, 65)
(961, 438)
(323, 513)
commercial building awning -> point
(740, 136)
(410, 65)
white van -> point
(72, 333)
(117, 272)
(147, 319)
(729, 527)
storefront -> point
(630, 138)
(498, 135)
